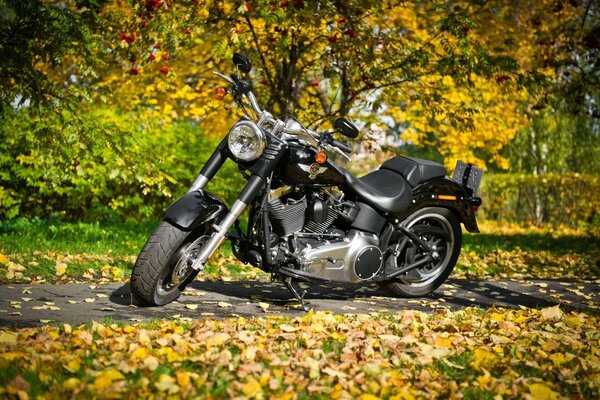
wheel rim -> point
(437, 231)
(179, 268)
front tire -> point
(440, 228)
(163, 267)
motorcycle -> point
(309, 219)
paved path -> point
(31, 305)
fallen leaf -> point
(106, 379)
(8, 338)
(540, 391)
(251, 388)
(551, 313)
(60, 268)
(224, 304)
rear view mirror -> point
(346, 128)
(242, 62)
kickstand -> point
(288, 284)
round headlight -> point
(246, 141)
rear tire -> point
(163, 267)
(439, 227)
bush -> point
(569, 199)
(111, 166)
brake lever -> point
(336, 150)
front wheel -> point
(440, 228)
(163, 268)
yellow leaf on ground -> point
(287, 328)
(551, 313)
(71, 383)
(73, 366)
(368, 396)
(540, 391)
(106, 379)
(224, 304)
(482, 358)
(151, 363)
(191, 306)
(140, 354)
(8, 338)
(251, 388)
(167, 383)
(60, 268)
(183, 378)
(3, 259)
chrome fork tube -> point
(255, 183)
(199, 183)
(219, 235)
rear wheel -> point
(440, 228)
(163, 268)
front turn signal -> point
(220, 92)
(320, 157)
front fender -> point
(194, 209)
(434, 193)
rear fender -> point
(195, 209)
(444, 192)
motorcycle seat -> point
(414, 170)
(382, 189)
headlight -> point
(246, 141)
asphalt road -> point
(32, 305)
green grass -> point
(23, 236)
(39, 244)
(484, 242)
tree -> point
(462, 77)
(369, 60)
(38, 35)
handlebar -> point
(244, 89)
(342, 146)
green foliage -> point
(121, 169)
(556, 142)
(34, 33)
(569, 199)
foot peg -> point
(300, 298)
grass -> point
(108, 250)
(118, 239)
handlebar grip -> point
(342, 146)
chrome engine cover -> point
(354, 259)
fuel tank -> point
(298, 167)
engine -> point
(314, 230)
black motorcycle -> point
(310, 220)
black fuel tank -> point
(298, 167)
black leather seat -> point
(415, 170)
(383, 189)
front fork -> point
(255, 183)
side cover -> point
(444, 192)
(194, 209)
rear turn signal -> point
(446, 197)
(220, 92)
